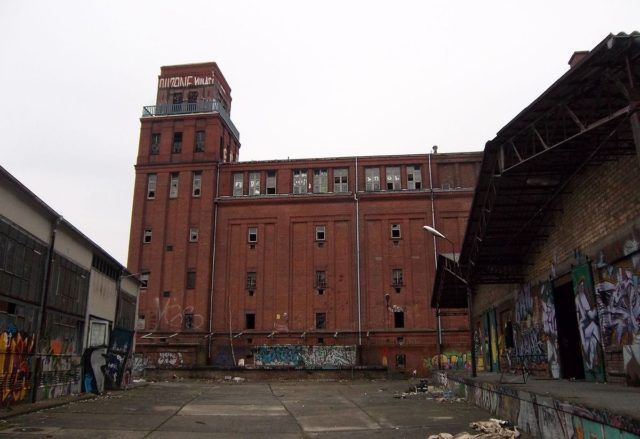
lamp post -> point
(456, 262)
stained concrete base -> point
(553, 409)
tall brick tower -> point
(183, 139)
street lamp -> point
(438, 234)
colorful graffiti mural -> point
(16, 354)
(452, 360)
(117, 369)
(618, 301)
(528, 328)
(309, 357)
(588, 324)
(550, 328)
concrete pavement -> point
(217, 409)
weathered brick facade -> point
(276, 262)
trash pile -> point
(491, 429)
(424, 390)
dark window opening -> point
(199, 146)
(250, 321)
(252, 235)
(320, 233)
(398, 319)
(321, 320)
(155, 143)
(192, 97)
(271, 182)
(169, 248)
(320, 340)
(397, 279)
(395, 231)
(177, 143)
(147, 236)
(401, 361)
(166, 293)
(191, 279)
(188, 321)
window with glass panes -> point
(393, 178)
(372, 179)
(254, 183)
(340, 180)
(300, 182)
(238, 180)
(271, 182)
(414, 177)
(320, 181)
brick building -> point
(552, 251)
(316, 263)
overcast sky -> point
(308, 79)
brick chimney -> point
(577, 57)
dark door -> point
(570, 353)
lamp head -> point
(434, 232)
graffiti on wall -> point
(172, 315)
(170, 359)
(309, 357)
(449, 361)
(550, 328)
(16, 353)
(618, 300)
(542, 416)
(588, 324)
(528, 330)
(60, 368)
(117, 366)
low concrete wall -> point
(266, 374)
(541, 416)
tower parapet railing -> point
(189, 108)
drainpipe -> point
(213, 263)
(355, 197)
(435, 255)
(43, 303)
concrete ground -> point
(220, 409)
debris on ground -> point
(491, 429)
(424, 390)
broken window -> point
(414, 177)
(372, 179)
(395, 231)
(151, 186)
(173, 185)
(238, 181)
(197, 183)
(393, 178)
(271, 182)
(144, 279)
(320, 233)
(193, 234)
(146, 236)
(299, 182)
(320, 181)
(340, 180)
(254, 183)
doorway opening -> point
(570, 352)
